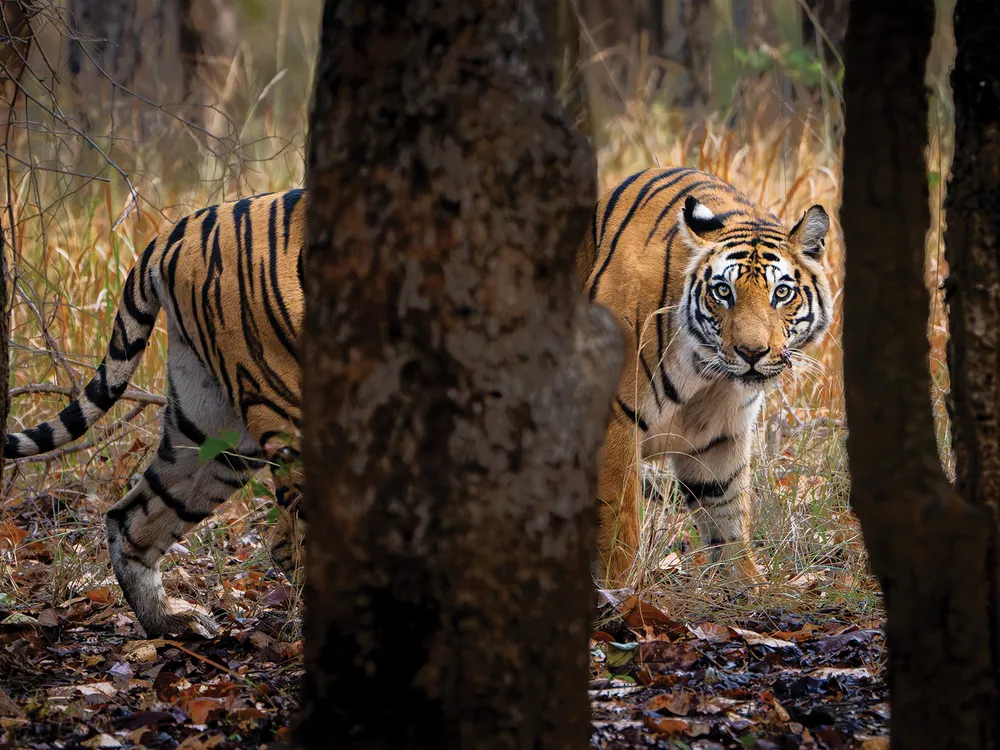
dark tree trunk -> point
(16, 39)
(824, 25)
(456, 388)
(972, 240)
(933, 552)
(122, 44)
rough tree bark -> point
(972, 241)
(16, 39)
(934, 552)
(456, 388)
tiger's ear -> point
(809, 235)
(698, 217)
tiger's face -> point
(755, 294)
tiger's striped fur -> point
(229, 279)
(718, 296)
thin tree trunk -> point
(16, 37)
(932, 552)
(456, 389)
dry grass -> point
(72, 260)
(804, 533)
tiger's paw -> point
(184, 618)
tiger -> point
(717, 299)
(229, 278)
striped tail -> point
(134, 323)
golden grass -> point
(72, 261)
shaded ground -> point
(75, 671)
(772, 682)
(77, 676)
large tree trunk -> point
(456, 388)
(933, 552)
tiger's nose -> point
(752, 355)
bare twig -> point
(139, 397)
(107, 434)
(57, 353)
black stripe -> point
(664, 320)
(713, 443)
(43, 436)
(142, 317)
(240, 464)
(608, 210)
(680, 172)
(682, 193)
(122, 349)
(187, 428)
(11, 447)
(165, 450)
(613, 201)
(642, 359)
(99, 393)
(178, 507)
(695, 492)
(633, 416)
(652, 382)
(141, 270)
(73, 420)
(207, 225)
(289, 200)
(626, 221)
(168, 272)
(284, 329)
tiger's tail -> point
(134, 321)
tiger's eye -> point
(722, 291)
(782, 293)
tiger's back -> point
(696, 363)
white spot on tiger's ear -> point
(703, 212)
(698, 217)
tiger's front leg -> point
(618, 503)
(714, 481)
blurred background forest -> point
(133, 113)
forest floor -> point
(78, 674)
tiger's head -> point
(754, 293)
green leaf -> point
(215, 446)
(620, 654)
(259, 489)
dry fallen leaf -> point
(101, 595)
(711, 632)
(677, 702)
(671, 726)
(11, 534)
(756, 639)
(102, 741)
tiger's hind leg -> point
(286, 536)
(175, 493)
